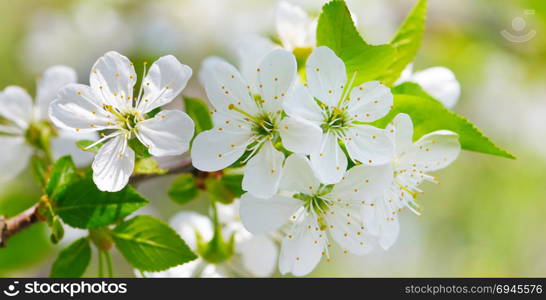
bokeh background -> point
(486, 218)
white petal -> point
(113, 165)
(369, 145)
(301, 249)
(65, 144)
(299, 135)
(370, 101)
(251, 51)
(228, 213)
(261, 215)
(400, 130)
(212, 271)
(329, 162)
(259, 255)
(168, 133)
(326, 75)
(345, 226)
(166, 78)
(389, 232)
(16, 106)
(11, 129)
(294, 26)
(263, 171)
(216, 149)
(225, 86)
(298, 176)
(77, 109)
(188, 224)
(301, 104)
(440, 83)
(112, 79)
(434, 151)
(14, 156)
(53, 79)
(276, 77)
(363, 183)
(381, 223)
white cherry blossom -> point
(341, 110)
(296, 29)
(439, 82)
(409, 166)
(248, 118)
(108, 106)
(315, 215)
(255, 255)
(18, 114)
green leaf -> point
(73, 260)
(183, 189)
(84, 144)
(234, 183)
(336, 30)
(148, 166)
(218, 191)
(62, 174)
(407, 41)
(429, 115)
(39, 170)
(82, 205)
(150, 245)
(412, 88)
(198, 111)
(141, 151)
(154, 112)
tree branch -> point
(9, 227)
(29, 217)
(184, 166)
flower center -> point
(264, 125)
(336, 120)
(125, 119)
(316, 202)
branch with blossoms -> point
(320, 141)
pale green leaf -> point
(82, 205)
(62, 174)
(147, 166)
(336, 30)
(198, 111)
(407, 41)
(150, 245)
(183, 189)
(73, 260)
(84, 145)
(429, 115)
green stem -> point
(109, 264)
(101, 271)
(215, 221)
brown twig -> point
(12, 226)
(184, 166)
(16, 224)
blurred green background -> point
(486, 218)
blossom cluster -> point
(317, 170)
